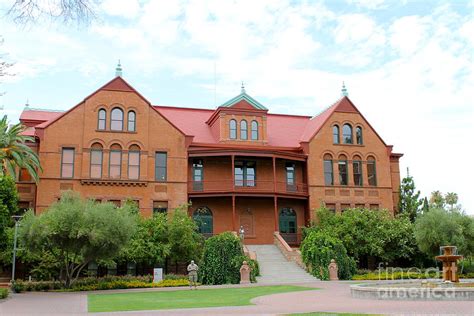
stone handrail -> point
(289, 253)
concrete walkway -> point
(331, 297)
(275, 269)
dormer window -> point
(233, 129)
(243, 130)
(254, 130)
(116, 120)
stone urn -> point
(245, 273)
(333, 271)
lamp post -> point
(16, 218)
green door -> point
(287, 221)
(203, 218)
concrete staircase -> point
(274, 268)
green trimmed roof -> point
(246, 97)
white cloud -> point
(126, 8)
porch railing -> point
(292, 239)
(218, 186)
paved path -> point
(331, 297)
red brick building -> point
(238, 165)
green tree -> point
(451, 199)
(218, 263)
(409, 201)
(184, 240)
(317, 250)
(77, 231)
(426, 205)
(8, 207)
(14, 151)
(437, 199)
(440, 227)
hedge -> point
(105, 283)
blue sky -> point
(408, 66)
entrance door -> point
(287, 224)
(247, 222)
(203, 218)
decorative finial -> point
(27, 104)
(242, 88)
(344, 92)
(118, 70)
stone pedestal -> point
(244, 273)
(333, 271)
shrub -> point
(3, 293)
(317, 250)
(218, 265)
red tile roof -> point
(39, 115)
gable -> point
(243, 100)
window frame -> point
(331, 172)
(100, 119)
(101, 162)
(254, 131)
(112, 120)
(359, 135)
(165, 167)
(336, 137)
(134, 151)
(343, 163)
(63, 149)
(371, 161)
(242, 130)
(159, 210)
(245, 166)
(134, 121)
(344, 134)
(232, 130)
(359, 174)
(120, 165)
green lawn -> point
(151, 300)
(331, 314)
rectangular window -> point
(160, 166)
(374, 207)
(328, 175)
(331, 207)
(67, 163)
(343, 172)
(357, 168)
(117, 203)
(197, 174)
(115, 166)
(371, 173)
(290, 176)
(345, 207)
(133, 165)
(96, 163)
(360, 206)
(245, 173)
(160, 207)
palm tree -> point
(14, 153)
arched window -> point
(96, 161)
(116, 120)
(243, 130)
(328, 170)
(254, 130)
(203, 218)
(132, 124)
(115, 162)
(335, 134)
(134, 162)
(347, 134)
(357, 170)
(343, 175)
(233, 129)
(359, 135)
(371, 171)
(287, 224)
(102, 120)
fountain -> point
(449, 257)
(449, 288)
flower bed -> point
(105, 283)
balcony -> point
(251, 187)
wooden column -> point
(233, 172)
(275, 205)
(274, 174)
(234, 220)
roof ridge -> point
(327, 108)
(41, 109)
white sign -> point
(157, 275)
